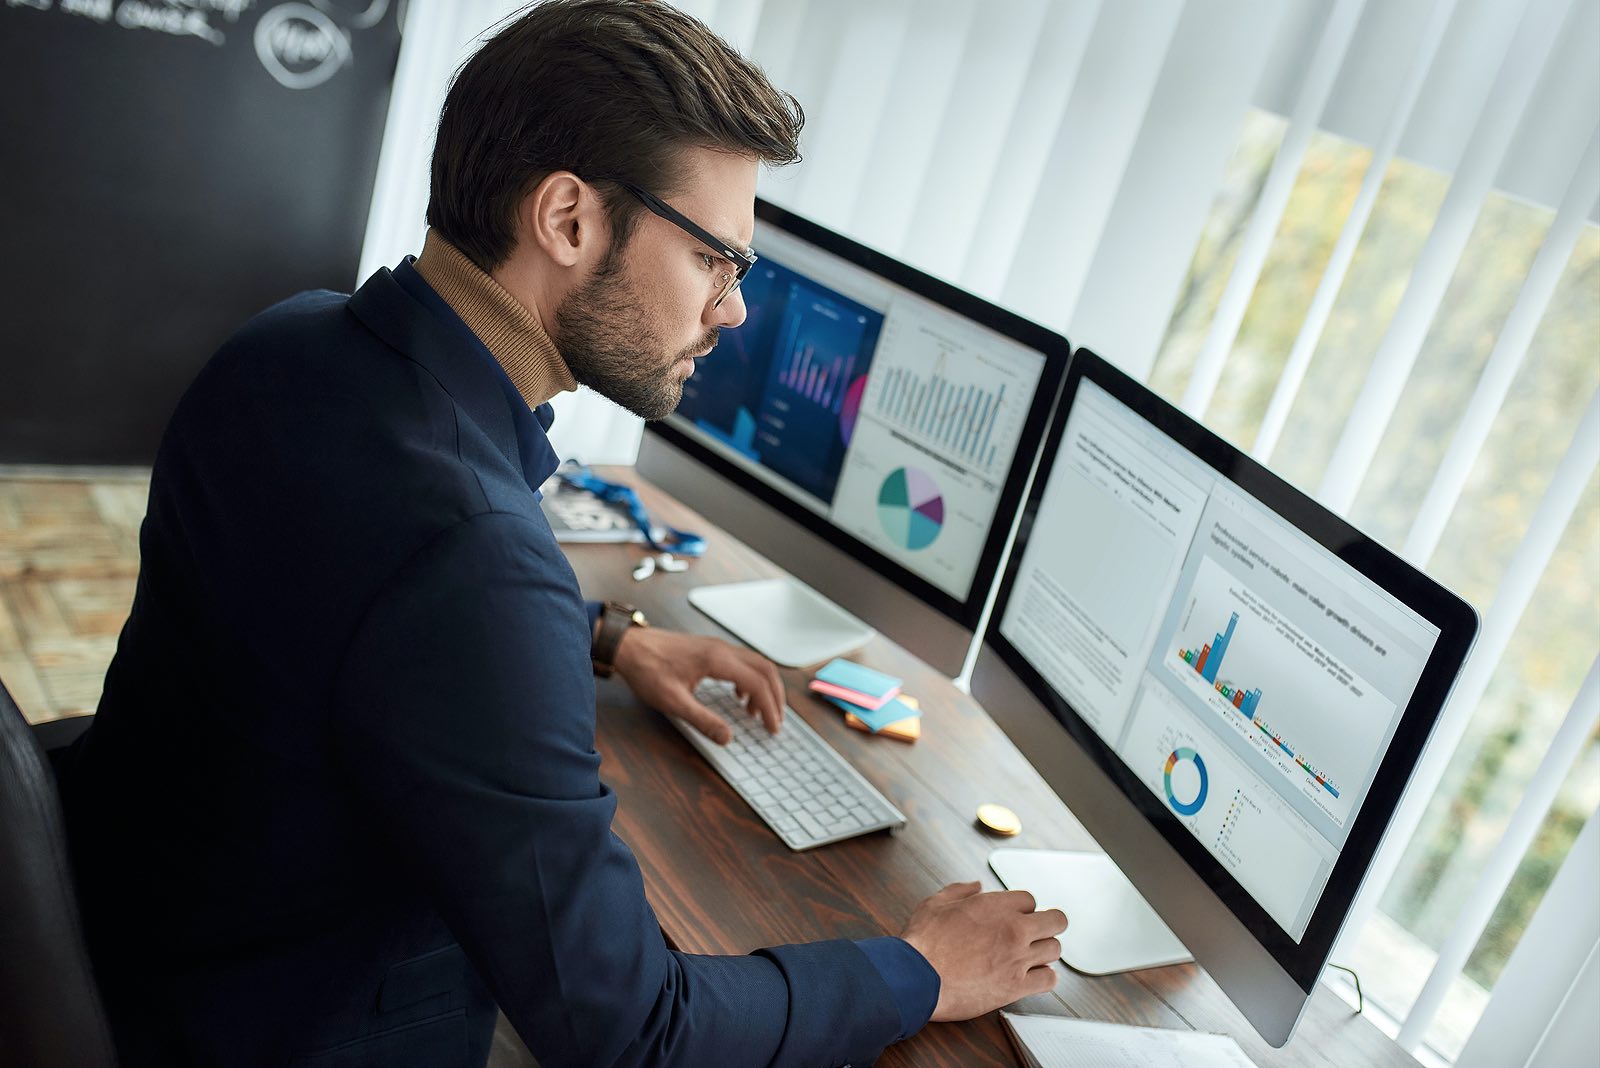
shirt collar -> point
(509, 329)
(534, 452)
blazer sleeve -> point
(464, 718)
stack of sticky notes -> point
(871, 700)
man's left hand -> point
(662, 668)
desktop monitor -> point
(1238, 686)
(869, 427)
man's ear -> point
(564, 218)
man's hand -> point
(662, 668)
(989, 949)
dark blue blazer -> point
(342, 795)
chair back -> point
(50, 1010)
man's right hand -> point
(989, 949)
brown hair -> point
(607, 89)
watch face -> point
(637, 619)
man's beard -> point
(611, 352)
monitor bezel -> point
(1457, 622)
(1052, 347)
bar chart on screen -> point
(951, 395)
(958, 419)
(821, 356)
(1301, 710)
(821, 378)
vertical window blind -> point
(1359, 240)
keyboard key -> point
(804, 790)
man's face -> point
(633, 329)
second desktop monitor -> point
(865, 398)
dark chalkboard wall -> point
(167, 169)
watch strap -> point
(616, 619)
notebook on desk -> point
(576, 515)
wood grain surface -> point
(721, 882)
(69, 560)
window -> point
(1556, 640)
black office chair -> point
(50, 1012)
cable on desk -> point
(1361, 1002)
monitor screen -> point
(872, 400)
(1240, 657)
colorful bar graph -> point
(1207, 662)
(820, 382)
(1219, 648)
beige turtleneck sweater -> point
(509, 329)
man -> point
(342, 798)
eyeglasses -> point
(728, 281)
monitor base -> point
(783, 620)
(1110, 928)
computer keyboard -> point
(804, 790)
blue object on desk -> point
(876, 719)
(671, 540)
(863, 680)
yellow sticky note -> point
(907, 730)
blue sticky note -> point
(876, 719)
(862, 680)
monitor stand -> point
(1110, 928)
(783, 620)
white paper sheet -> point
(1062, 1042)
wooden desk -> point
(721, 882)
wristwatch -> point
(615, 620)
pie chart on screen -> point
(911, 508)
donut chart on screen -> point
(1185, 808)
(911, 508)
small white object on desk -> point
(659, 562)
(1062, 1042)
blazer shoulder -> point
(303, 346)
(313, 319)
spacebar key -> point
(812, 828)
